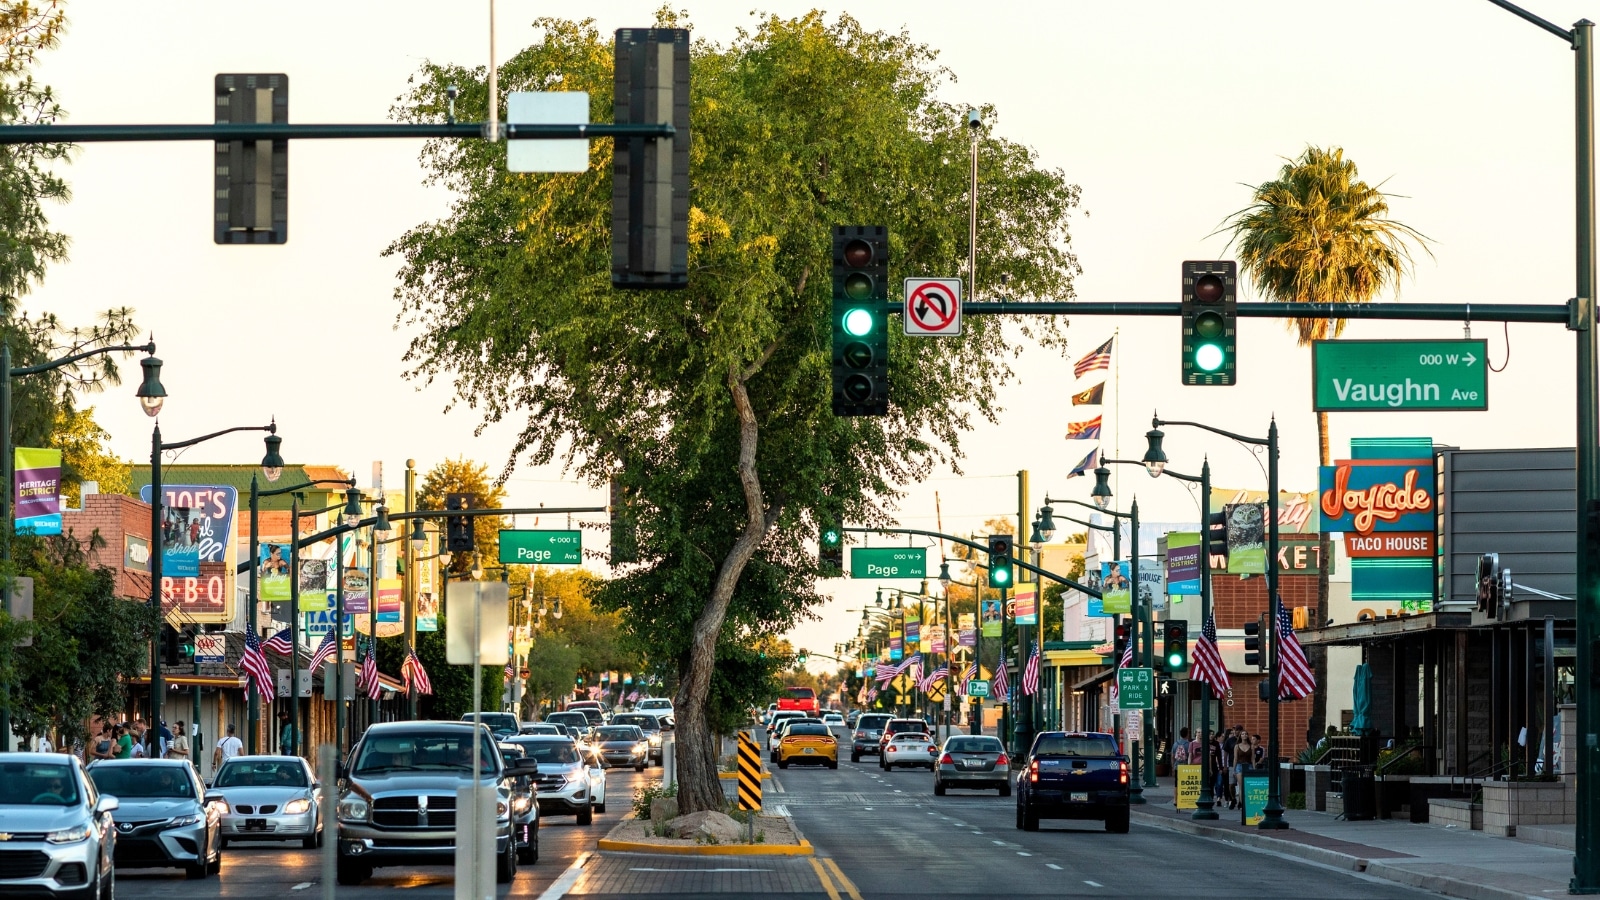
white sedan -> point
(269, 798)
(833, 720)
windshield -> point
(874, 720)
(973, 745)
(643, 723)
(395, 752)
(142, 781)
(552, 753)
(496, 721)
(621, 733)
(256, 773)
(567, 718)
(37, 784)
(1074, 745)
(806, 728)
(655, 704)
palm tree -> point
(1319, 234)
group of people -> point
(130, 740)
(1233, 750)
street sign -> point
(210, 648)
(933, 307)
(978, 687)
(545, 548)
(888, 562)
(1399, 376)
(547, 108)
(1135, 689)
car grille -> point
(265, 809)
(439, 811)
(140, 850)
(23, 863)
(72, 873)
(552, 783)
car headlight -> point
(180, 821)
(521, 803)
(639, 748)
(576, 776)
(69, 835)
(296, 807)
(353, 809)
(501, 810)
(655, 740)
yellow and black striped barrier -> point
(749, 772)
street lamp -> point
(150, 395)
(1154, 459)
(157, 501)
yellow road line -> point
(838, 875)
(822, 876)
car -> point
(655, 706)
(896, 726)
(653, 728)
(803, 699)
(868, 736)
(808, 743)
(914, 749)
(563, 782)
(269, 798)
(498, 723)
(972, 761)
(623, 745)
(397, 806)
(164, 818)
(597, 778)
(833, 720)
(593, 715)
(541, 728)
(779, 717)
(851, 718)
(61, 841)
(782, 728)
(1074, 775)
(574, 718)
(766, 717)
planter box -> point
(1319, 780)
(1507, 804)
(1333, 803)
(1463, 814)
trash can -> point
(1360, 795)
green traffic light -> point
(999, 576)
(1175, 661)
(858, 323)
(830, 538)
(1208, 357)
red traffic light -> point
(857, 253)
(1208, 289)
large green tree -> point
(711, 405)
(1319, 233)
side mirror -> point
(525, 765)
(105, 804)
(215, 798)
(344, 771)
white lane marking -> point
(898, 791)
(781, 810)
(301, 886)
(1092, 883)
(1052, 866)
(646, 869)
(568, 878)
(1020, 853)
(999, 843)
(777, 786)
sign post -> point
(1399, 376)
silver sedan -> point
(270, 798)
(973, 761)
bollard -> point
(669, 767)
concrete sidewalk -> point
(1467, 864)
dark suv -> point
(867, 736)
(650, 725)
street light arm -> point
(1570, 37)
(976, 546)
(179, 445)
(297, 487)
(1108, 528)
(1110, 512)
(1260, 442)
(69, 360)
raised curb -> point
(729, 776)
(804, 848)
(1441, 884)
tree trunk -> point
(1318, 656)
(699, 788)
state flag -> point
(1091, 397)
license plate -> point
(1078, 797)
(972, 763)
(810, 750)
(255, 824)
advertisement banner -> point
(1025, 607)
(213, 506)
(1255, 798)
(206, 566)
(896, 650)
(427, 612)
(1116, 588)
(1367, 496)
(913, 625)
(992, 613)
(273, 580)
(1152, 584)
(1188, 787)
(1183, 563)
(36, 490)
(315, 584)
(180, 551)
(936, 638)
(1247, 538)
(356, 596)
(967, 630)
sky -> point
(1163, 112)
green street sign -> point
(1399, 376)
(978, 687)
(543, 548)
(1135, 689)
(888, 562)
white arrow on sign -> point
(1469, 358)
(932, 307)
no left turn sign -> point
(933, 306)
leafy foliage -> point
(465, 476)
(85, 457)
(26, 179)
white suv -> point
(655, 706)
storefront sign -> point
(1389, 544)
(1297, 512)
(135, 553)
(1188, 787)
(1365, 497)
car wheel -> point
(505, 868)
(313, 842)
(783, 763)
(1117, 821)
(352, 872)
(1005, 788)
(586, 815)
(639, 767)
(938, 788)
(197, 871)
(601, 809)
(1019, 816)
(108, 885)
(529, 855)
(855, 757)
(222, 843)
(1030, 820)
(833, 764)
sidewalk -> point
(1467, 864)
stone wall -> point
(1463, 814)
(1507, 804)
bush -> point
(1295, 800)
(645, 794)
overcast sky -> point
(1161, 111)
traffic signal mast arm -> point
(984, 548)
(270, 131)
(1543, 313)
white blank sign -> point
(547, 108)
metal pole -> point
(1141, 650)
(1022, 704)
(296, 714)
(973, 124)
(977, 657)
(1272, 815)
(411, 582)
(1586, 862)
(1547, 727)
(1205, 806)
(1147, 614)
(8, 525)
(338, 642)
(252, 697)
(154, 732)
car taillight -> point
(861, 735)
(891, 748)
(1033, 771)
(932, 749)
(1003, 760)
(945, 760)
(1122, 771)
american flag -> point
(872, 695)
(1030, 673)
(254, 662)
(279, 643)
(324, 650)
(414, 675)
(1123, 663)
(887, 674)
(968, 675)
(1100, 358)
(932, 678)
(1207, 662)
(368, 680)
(1295, 680)
(1000, 691)
(914, 667)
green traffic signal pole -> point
(268, 131)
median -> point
(734, 833)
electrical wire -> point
(1508, 351)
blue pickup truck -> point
(1074, 775)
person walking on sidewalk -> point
(1180, 754)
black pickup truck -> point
(1074, 775)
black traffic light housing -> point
(251, 178)
(1210, 322)
(458, 529)
(1000, 574)
(830, 550)
(860, 328)
(1494, 585)
(650, 176)
(169, 646)
(1254, 653)
(1217, 536)
(1175, 646)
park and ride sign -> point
(1399, 376)
(888, 562)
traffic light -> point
(458, 529)
(801, 657)
(1210, 322)
(999, 560)
(1217, 536)
(186, 641)
(1494, 585)
(251, 178)
(860, 328)
(830, 554)
(169, 646)
(1175, 646)
(1254, 653)
(650, 176)
(1121, 639)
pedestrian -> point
(1244, 755)
(1180, 755)
(1230, 744)
(141, 736)
(1261, 750)
(124, 742)
(166, 741)
(226, 749)
(288, 735)
(43, 745)
(178, 748)
(100, 745)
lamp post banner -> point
(1247, 538)
(1183, 563)
(214, 505)
(180, 544)
(273, 585)
(1116, 588)
(36, 491)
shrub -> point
(645, 794)
(1295, 800)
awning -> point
(1073, 658)
(1105, 675)
(1357, 633)
(222, 681)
